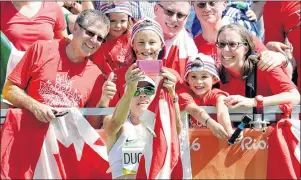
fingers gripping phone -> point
(150, 66)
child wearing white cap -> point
(116, 52)
(201, 75)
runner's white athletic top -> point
(130, 133)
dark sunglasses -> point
(203, 4)
(92, 34)
(170, 13)
(231, 45)
(147, 90)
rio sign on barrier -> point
(214, 158)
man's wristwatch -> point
(259, 103)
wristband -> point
(207, 121)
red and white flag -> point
(284, 150)
(65, 148)
(161, 157)
(178, 50)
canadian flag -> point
(284, 147)
(284, 150)
(67, 147)
(178, 50)
(161, 157)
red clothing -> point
(47, 75)
(268, 83)
(288, 15)
(114, 54)
(23, 31)
(186, 96)
(210, 49)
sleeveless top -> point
(131, 133)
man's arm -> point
(20, 99)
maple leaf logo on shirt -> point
(61, 94)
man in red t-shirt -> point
(59, 74)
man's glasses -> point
(180, 16)
(204, 3)
(92, 34)
(147, 90)
(231, 45)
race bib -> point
(131, 158)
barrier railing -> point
(235, 114)
(208, 157)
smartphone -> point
(150, 66)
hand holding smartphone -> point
(150, 66)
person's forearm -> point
(292, 96)
(198, 113)
(121, 111)
(18, 97)
(223, 116)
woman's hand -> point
(132, 76)
(235, 101)
(217, 129)
(170, 81)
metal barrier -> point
(235, 114)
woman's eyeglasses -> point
(204, 3)
(231, 45)
(180, 16)
(147, 90)
(92, 34)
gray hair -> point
(91, 16)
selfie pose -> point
(137, 94)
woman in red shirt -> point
(239, 61)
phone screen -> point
(150, 66)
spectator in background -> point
(142, 9)
(282, 27)
(210, 16)
(25, 22)
(239, 60)
(172, 16)
(116, 52)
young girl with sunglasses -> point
(201, 75)
(115, 53)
